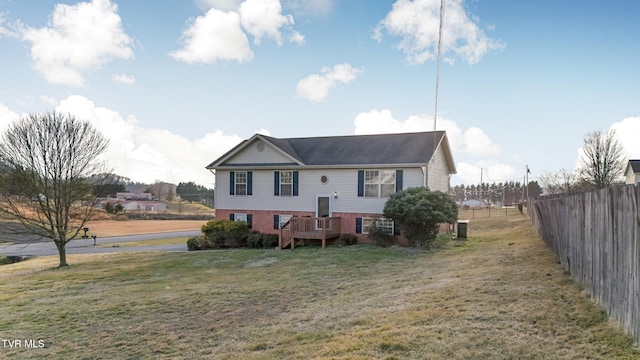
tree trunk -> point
(62, 252)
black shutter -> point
(396, 228)
(232, 217)
(276, 183)
(358, 225)
(399, 180)
(360, 183)
(249, 182)
(249, 220)
(276, 222)
(232, 183)
(295, 183)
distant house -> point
(337, 183)
(133, 205)
(632, 172)
(474, 203)
(134, 196)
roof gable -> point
(634, 165)
(357, 150)
(258, 150)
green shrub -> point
(225, 233)
(269, 240)
(193, 244)
(419, 212)
(379, 236)
(348, 239)
(260, 240)
(254, 240)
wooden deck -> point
(303, 228)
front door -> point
(323, 208)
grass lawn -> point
(498, 295)
(166, 241)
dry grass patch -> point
(103, 228)
(499, 295)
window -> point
(241, 183)
(379, 183)
(240, 217)
(286, 183)
(386, 225)
(283, 219)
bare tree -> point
(603, 159)
(50, 156)
(561, 182)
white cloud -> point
(78, 38)
(221, 34)
(49, 100)
(150, 154)
(224, 5)
(263, 18)
(6, 117)
(473, 141)
(627, 132)
(316, 87)
(297, 38)
(215, 36)
(124, 79)
(417, 23)
(479, 144)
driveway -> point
(85, 246)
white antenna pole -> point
(435, 112)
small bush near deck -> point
(260, 240)
(225, 233)
(269, 240)
(348, 239)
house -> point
(328, 185)
(632, 172)
(474, 203)
(133, 205)
(134, 196)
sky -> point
(176, 83)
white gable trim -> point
(246, 144)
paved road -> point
(85, 246)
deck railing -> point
(308, 228)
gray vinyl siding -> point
(252, 155)
(344, 182)
(631, 177)
(439, 172)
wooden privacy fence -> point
(596, 237)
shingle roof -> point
(381, 149)
(405, 148)
(635, 165)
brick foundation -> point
(262, 221)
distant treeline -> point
(505, 193)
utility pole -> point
(525, 178)
(481, 189)
(527, 182)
